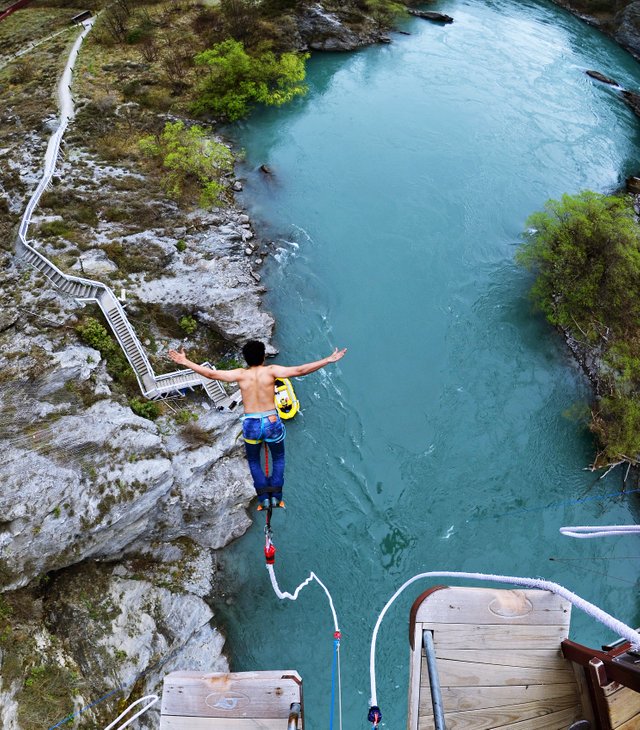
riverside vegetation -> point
(585, 250)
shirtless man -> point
(261, 422)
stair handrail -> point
(68, 277)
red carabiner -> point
(270, 553)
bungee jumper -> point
(261, 423)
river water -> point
(445, 439)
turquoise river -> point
(401, 185)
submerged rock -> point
(431, 15)
(601, 77)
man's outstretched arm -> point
(295, 371)
(229, 376)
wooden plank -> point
(218, 723)
(632, 724)
(624, 704)
(534, 658)
(462, 699)
(240, 695)
(499, 660)
(467, 636)
(509, 715)
(557, 721)
(470, 674)
(195, 677)
(494, 606)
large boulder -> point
(321, 30)
(627, 28)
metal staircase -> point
(86, 290)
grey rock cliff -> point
(620, 20)
(626, 28)
(109, 522)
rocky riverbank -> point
(619, 20)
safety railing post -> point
(294, 716)
(434, 680)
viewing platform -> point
(240, 701)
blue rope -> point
(563, 503)
(124, 685)
(336, 646)
(68, 718)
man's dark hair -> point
(254, 352)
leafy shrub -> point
(184, 416)
(92, 333)
(145, 409)
(189, 159)
(235, 80)
(181, 245)
(585, 250)
(616, 423)
(95, 335)
(188, 324)
(55, 228)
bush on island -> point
(585, 250)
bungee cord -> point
(294, 596)
(152, 699)
(587, 531)
(336, 677)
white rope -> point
(586, 531)
(153, 699)
(610, 622)
(294, 596)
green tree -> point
(235, 80)
(190, 160)
(585, 250)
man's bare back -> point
(261, 425)
(257, 382)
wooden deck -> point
(499, 660)
(240, 701)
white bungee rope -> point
(336, 671)
(586, 531)
(150, 699)
(616, 626)
(294, 596)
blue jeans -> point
(259, 429)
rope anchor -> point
(375, 715)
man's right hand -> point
(337, 355)
(178, 356)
